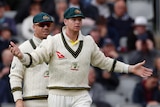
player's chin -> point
(46, 33)
(77, 29)
(45, 36)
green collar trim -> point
(74, 53)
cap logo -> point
(45, 17)
(77, 11)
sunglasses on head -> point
(43, 24)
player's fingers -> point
(148, 70)
(16, 52)
(12, 44)
(141, 63)
(13, 50)
(147, 73)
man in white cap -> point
(140, 34)
(69, 55)
(29, 85)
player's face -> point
(42, 30)
(74, 24)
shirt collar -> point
(36, 40)
(80, 37)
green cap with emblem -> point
(73, 12)
(42, 17)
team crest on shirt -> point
(74, 66)
(60, 55)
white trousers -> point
(83, 100)
(36, 103)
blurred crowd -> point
(118, 35)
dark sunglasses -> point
(48, 24)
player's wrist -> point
(130, 69)
(22, 58)
(19, 100)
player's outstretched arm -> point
(140, 70)
(15, 50)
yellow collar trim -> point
(73, 42)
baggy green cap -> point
(42, 17)
(73, 12)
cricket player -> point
(29, 84)
(69, 55)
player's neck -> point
(72, 35)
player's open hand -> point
(15, 50)
(140, 70)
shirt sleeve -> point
(98, 59)
(41, 54)
(16, 78)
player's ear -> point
(33, 26)
(65, 21)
